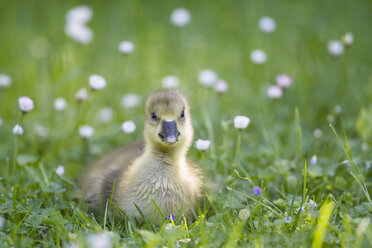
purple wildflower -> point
(368, 166)
(312, 203)
(288, 219)
(313, 159)
(171, 216)
(302, 210)
(257, 191)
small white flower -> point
(180, 17)
(25, 104)
(5, 81)
(99, 240)
(17, 130)
(126, 47)
(313, 159)
(330, 118)
(81, 95)
(106, 114)
(97, 82)
(86, 131)
(258, 57)
(284, 80)
(274, 92)
(2, 221)
(78, 32)
(348, 39)
(130, 101)
(241, 122)
(244, 214)
(41, 131)
(60, 104)
(267, 24)
(338, 109)
(202, 145)
(60, 170)
(128, 127)
(80, 14)
(335, 48)
(221, 86)
(318, 133)
(207, 77)
(170, 82)
(72, 245)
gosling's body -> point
(155, 169)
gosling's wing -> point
(98, 181)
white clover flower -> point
(202, 145)
(25, 104)
(60, 170)
(267, 24)
(221, 86)
(180, 17)
(241, 122)
(130, 101)
(99, 240)
(348, 39)
(274, 92)
(97, 82)
(80, 14)
(207, 77)
(41, 131)
(2, 222)
(128, 127)
(60, 104)
(244, 214)
(335, 48)
(283, 80)
(170, 82)
(126, 47)
(258, 57)
(318, 133)
(5, 81)
(86, 131)
(17, 130)
(78, 32)
(81, 95)
(106, 114)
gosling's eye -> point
(182, 116)
(154, 117)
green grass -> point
(43, 209)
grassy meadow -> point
(308, 150)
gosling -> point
(155, 169)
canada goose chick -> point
(156, 171)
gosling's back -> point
(98, 182)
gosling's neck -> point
(173, 156)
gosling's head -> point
(168, 121)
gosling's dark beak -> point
(169, 133)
